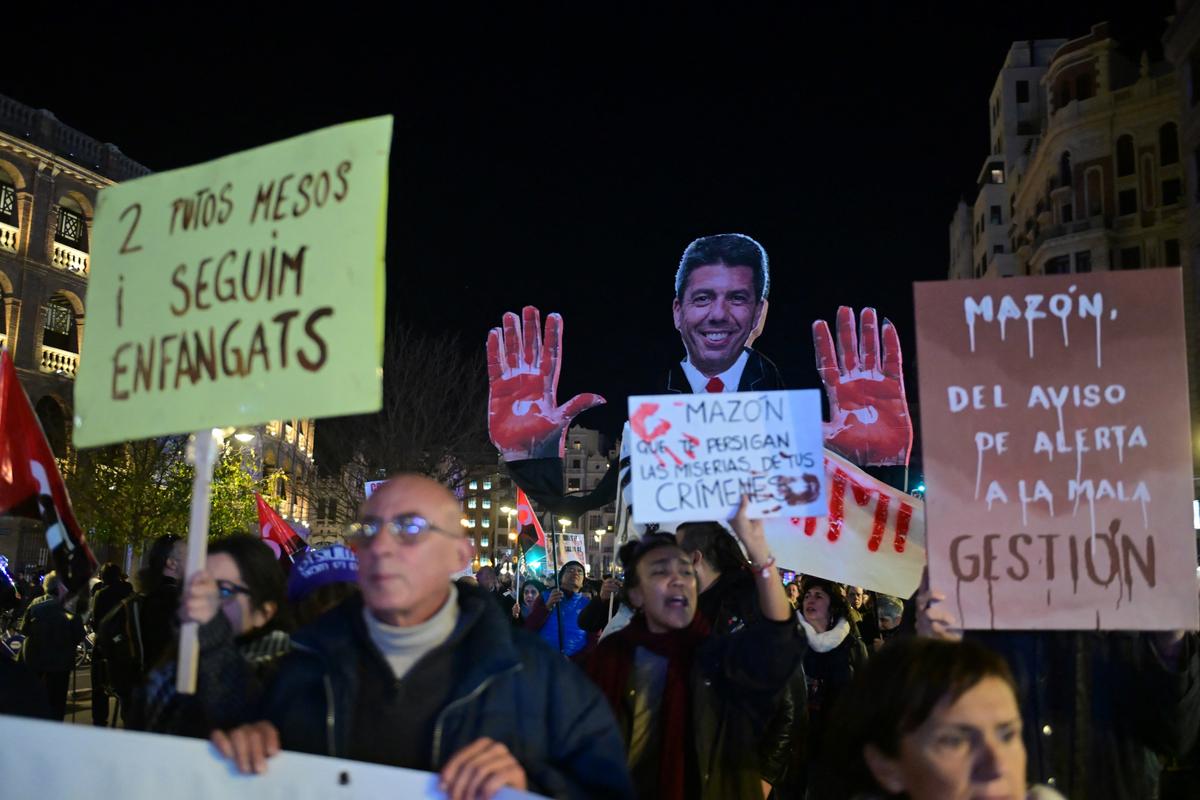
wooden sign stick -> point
(202, 452)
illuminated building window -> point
(483, 542)
(487, 522)
(70, 228)
(8, 204)
(473, 485)
(470, 502)
(58, 319)
(487, 487)
(487, 503)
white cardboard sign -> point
(695, 455)
(51, 759)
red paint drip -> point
(674, 457)
(861, 496)
(810, 526)
(877, 530)
(903, 517)
(837, 502)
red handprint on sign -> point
(524, 418)
(869, 422)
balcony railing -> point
(59, 362)
(70, 259)
(8, 237)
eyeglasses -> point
(406, 528)
(226, 590)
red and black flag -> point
(530, 530)
(278, 535)
(31, 486)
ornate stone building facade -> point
(50, 174)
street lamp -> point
(565, 523)
(598, 535)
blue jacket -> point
(545, 621)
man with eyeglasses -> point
(418, 672)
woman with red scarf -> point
(692, 706)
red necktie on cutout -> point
(714, 386)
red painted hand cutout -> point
(524, 418)
(869, 422)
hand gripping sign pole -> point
(202, 452)
(557, 580)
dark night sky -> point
(565, 160)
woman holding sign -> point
(692, 706)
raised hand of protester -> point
(933, 618)
(201, 600)
(248, 746)
(772, 598)
(481, 769)
(516, 611)
(869, 422)
(524, 418)
(610, 587)
(553, 598)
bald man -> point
(418, 672)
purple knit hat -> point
(319, 567)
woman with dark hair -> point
(691, 705)
(931, 720)
(834, 650)
(531, 590)
(240, 601)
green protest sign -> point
(246, 289)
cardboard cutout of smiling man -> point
(719, 309)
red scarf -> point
(610, 667)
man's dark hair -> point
(110, 574)
(151, 576)
(726, 250)
(715, 544)
(261, 573)
(634, 551)
(895, 694)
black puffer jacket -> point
(502, 683)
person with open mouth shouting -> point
(692, 706)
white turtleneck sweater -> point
(404, 646)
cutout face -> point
(718, 312)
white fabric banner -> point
(59, 760)
(873, 537)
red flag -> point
(30, 484)
(278, 533)
(531, 534)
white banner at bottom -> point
(55, 759)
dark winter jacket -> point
(51, 635)
(734, 689)
(494, 681)
(1100, 708)
(230, 676)
(829, 671)
(729, 604)
(159, 622)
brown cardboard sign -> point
(1056, 443)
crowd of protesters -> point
(698, 673)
